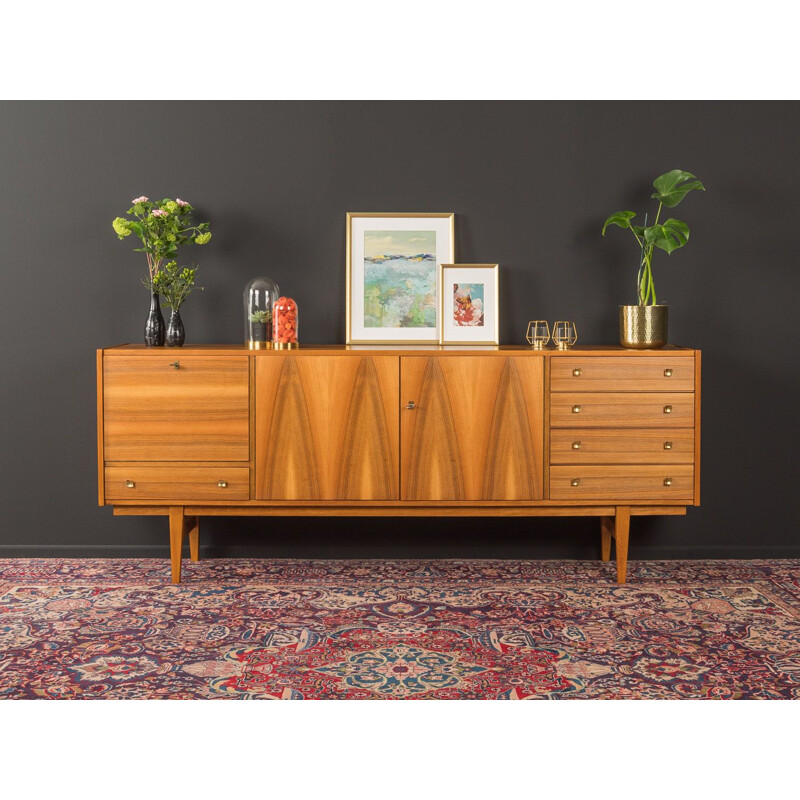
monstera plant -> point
(670, 189)
(645, 324)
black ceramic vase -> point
(175, 332)
(154, 328)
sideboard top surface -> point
(440, 350)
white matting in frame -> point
(469, 307)
(393, 264)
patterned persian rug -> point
(508, 630)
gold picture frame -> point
(438, 227)
(457, 315)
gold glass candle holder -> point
(565, 334)
(538, 334)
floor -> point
(480, 629)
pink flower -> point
(181, 202)
(141, 199)
(159, 212)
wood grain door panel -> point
(327, 428)
(153, 411)
(621, 373)
(476, 432)
(622, 409)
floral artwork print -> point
(468, 304)
(400, 279)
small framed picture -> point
(469, 304)
(393, 276)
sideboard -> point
(398, 431)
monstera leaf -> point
(668, 236)
(673, 186)
(621, 218)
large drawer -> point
(145, 482)
(620, 483)
(176, 407)
(622, 446)
(622, 409)
(621, 373)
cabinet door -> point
(327, 427)
(476, 429)
(176, 407)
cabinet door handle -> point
(176, 364)
(667, 481)
(130, 484)
(410, 405)
(576, 445)
(575, 482)
(667, 373)
(668, 445)
(576, 373)
(222, 484)
(576, 409)
(667, 409)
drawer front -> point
(622, 446)
(155, 411)
(144, 482)
(621, 483)
(618, 374)
(622, 410)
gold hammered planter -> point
(643, 327)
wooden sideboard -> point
(389, 431)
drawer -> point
(622, 446)
(621, 373)
(177, 483)
(176, 407)
(624, 482)
(622, 410)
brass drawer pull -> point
(222, 484)
(667, 481)
(130, 484)
(575, 482)
(668, 445)
(576, 445)
(667, 409)
(411, 405)
(176, 364)
(576, 409)
(667, 373)
(576, 373)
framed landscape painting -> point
(469, 312)
(393, 263)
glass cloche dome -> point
(259, 298)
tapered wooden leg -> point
(193, 527)
(606, 529)
(622, 526)
(176, 530)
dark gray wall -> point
(531, 184)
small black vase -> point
(175, 333)
(154, 328)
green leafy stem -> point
(669, 235)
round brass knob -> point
(576, 445)
(576, 409)
(668, 445)
(222, 484)
(576, 481)
(410, 405)
(130, 484)
(176, 364)
(667, 373)
(667, 481)
(576, 373)
(667, 409)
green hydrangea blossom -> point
(121, 227)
